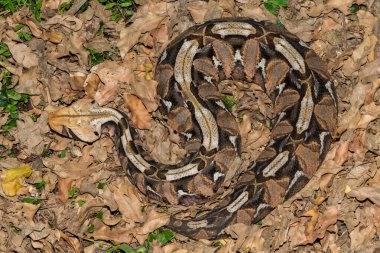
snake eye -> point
(96, 133)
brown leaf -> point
(146, 19)
(113, 75)
(140, 116)
(362, 235)
(27, 128)
(366, 192)
(198, 10)
(248, 237)
(28, 82)
(342, 5)
(22, 54)
(152, 221)
(64, 186)
(128, 202)
(70, 22)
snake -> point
(188, 72)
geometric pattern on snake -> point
(188, 73)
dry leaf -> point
(145, 20)
(366, 192)
(23, 54)
(140, 116)
(12, 180)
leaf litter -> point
(61, 195)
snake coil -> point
(188, 73)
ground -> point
(61, 195)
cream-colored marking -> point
(151, 190)
(238, 202)
(205, 120)
(233, 28)
(259, 208)
(306, 111)
(217, 175)
(290, 53)
(187, 135)
(328, 86)
(322, 137)
(217, 63)
(197, 224)
(316, 85)
(167, 103)
(261, 65)
(233, 140)
(303, 44)
(163, 57)
(280, 88)
(294, 180)
(238, 57)
(280, 117)
(185, 171)
(136, 159)
(184, 61)
(277, 163)
(208, 79)
(203, 116)
(183, 193)
(220, 104)
(271, 142)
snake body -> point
(188, 72)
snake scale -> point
(188, 73)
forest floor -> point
(61, 195)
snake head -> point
(79, 121)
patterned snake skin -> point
(188, 73)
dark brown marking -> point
(202, 185)
(208, 91)
(286, 100)
(168, 191)
(276, 71)
(180, 119)
(227, 123)
(326, 114)
(225, 54)
(238, 72)
(251, 57)
(283, 128)
(308, 157)
(267, 154)
(316, 64)
(206, 67)
(275, 192)
(224, 159)
(163, 75)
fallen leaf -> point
(145, 20)
(12, 180)
(140, 116)
(366, 192)
(22, 54)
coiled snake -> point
(188, 72)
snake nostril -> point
(96, 133)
